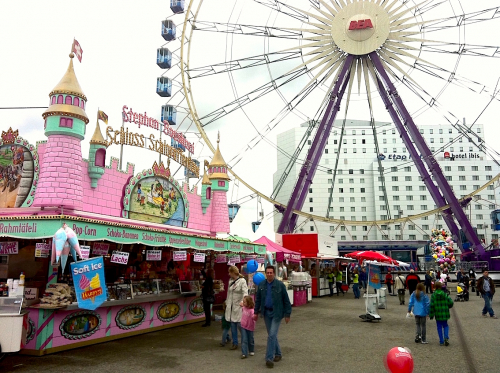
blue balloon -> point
(258, 278)
(252, 266)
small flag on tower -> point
(77, 50)
(102, 116)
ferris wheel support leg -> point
(419, 164)
(306, 175)
(428, 157)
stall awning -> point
(281, 252)
(97, 230)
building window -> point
(432, 141)
(479, 217)
(409, 188)
(363, 199)
(311, 228)
(461, 178)
(208, 194)
(352, 199)
(409, 198)
(353, 209)
(351, 190)
(222, 183)
(311, 189)
(421, 188)
(478, 207)
(475, 177)
(60, 99)
(68, 100)
(487, 168)
(362, 190)
(395, 188)
(407, 178)
(394, 178)
(100, 157)
(341, 199)
(311, 209)
(66, 122)
(363, 141)
(345, 150)
(449, 178)
(423, 207)
(409, 207)
(423, 198)
(447, 168)
(351, 181)
(76, 101)
(53, 100)
(310, 199)
(326, 151)
(341, 190)
(488, 177)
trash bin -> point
(382, 298)
(371, 303)
(11, 324)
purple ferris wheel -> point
(287, 63)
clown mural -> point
(442, 249)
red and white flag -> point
(77, 50)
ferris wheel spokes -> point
(428, 157)
(314, 153)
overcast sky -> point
(119, 42)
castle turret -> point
(217, 171)
(60, 181)
(206, 192)
(97, 156)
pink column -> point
(220, 213)
(60, 182)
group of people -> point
(439, 306)
(241, 312)
(358, 277)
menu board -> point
(119, 257)
(180, 256)
(42, 250)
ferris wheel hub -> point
(360, 28)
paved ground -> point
(323, 336)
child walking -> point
(440, 308)
(420, 304)
(226, 325)
(247, 327)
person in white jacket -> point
(236, 291)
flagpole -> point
(121, 144)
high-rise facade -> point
(360, 190)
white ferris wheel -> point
(256, 68)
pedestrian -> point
(236, 290)
(271, 300)
(331, 279)
(389, 281)
(460, 275)
(208, 296)
(338, 282)
(428, 282)
(411, 281)
(226, 326)
(440, 309)
(486, 287)
(399, 286)
(363, 278)
(472, 277)
(355, 284)
(420, 304)
(247, 327)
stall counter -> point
(54, 330)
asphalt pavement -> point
(326, 335)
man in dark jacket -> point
(412, 281)
(486, 287)
(271, 300)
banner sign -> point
(221, 258)
(85, 250)
(374, 277)
(86, 231)
(261, 259)
(100, 249)
(90, 283)
(42, 250)
(245, 258)
(119, 257)
(180, 256)
(153, 255)
(234, 260)
(292, 257)
(199, 258)
(8, 248)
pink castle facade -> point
(88, 188)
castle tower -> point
(97, 156)
(60, 182)
(206, 192)
(217, 171)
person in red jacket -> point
(412, 281)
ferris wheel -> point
(256, 68)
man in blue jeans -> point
(271, 300)
(486, 287)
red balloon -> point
(399, 360)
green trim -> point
(93, 230)
(52, 127)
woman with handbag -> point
(207, 295)
(236, 291)
(399, 286)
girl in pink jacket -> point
(247, 327)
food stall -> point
(154, 234)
